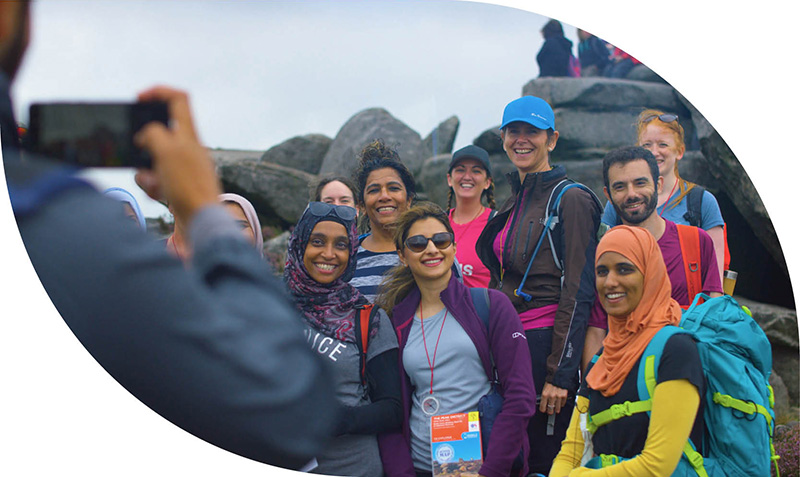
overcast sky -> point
(262, 72)
(729, 61)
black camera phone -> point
(92, 134)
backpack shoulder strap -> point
(689, 238)
(362, 336)
(651, 358)
(491, 215)
(645, 382)
(554, 210)
(480, 300)
(694, 205)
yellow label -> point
(474, 416)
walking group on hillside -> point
(571, 339)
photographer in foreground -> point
(218, 350)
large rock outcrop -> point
(279, 194)
(442, 138)
(304, 153)
(363, 128)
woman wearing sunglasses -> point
(446, 352)
(663, 135)
(385, 189)
(320, 262)
(635, 290)
(554, 301)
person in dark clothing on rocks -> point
(593, 54)
(218, 349)
(553, 57)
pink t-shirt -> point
(472, 269)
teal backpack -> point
(738, 415)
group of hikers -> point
(391, 313)
(539, 314)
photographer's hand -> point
(183, 172)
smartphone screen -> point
(92, 134)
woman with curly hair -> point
(384, 190)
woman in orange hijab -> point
(634, 288)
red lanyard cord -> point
(425, 344)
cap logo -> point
(539, 116)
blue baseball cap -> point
(529, 109)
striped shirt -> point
(370, 268)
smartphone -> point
(92, 134)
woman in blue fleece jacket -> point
(446, 352)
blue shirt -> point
(710, 215)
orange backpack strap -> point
(689, 238)
(727, 259)
(362, 331)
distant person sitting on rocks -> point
(336, 190)
(129, 204)
(554, 56)
(621, 64)
(385, 189)
(246, 218)
(593, 54)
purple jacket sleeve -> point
(395, 455)
(513, 361)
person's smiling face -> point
(468, 179)
(327, 252)
(528, 147)
(663, 143)
(631, 191)
(334, 192)
(431, 263)
(620, 285)
(385, 197)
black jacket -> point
(580, 217)
(554, 57)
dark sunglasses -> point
(418, 243)
(323, 209)
(667, 118)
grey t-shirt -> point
(350, 454)
(459, 379)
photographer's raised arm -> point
(217, 349)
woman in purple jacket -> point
(446, 352)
